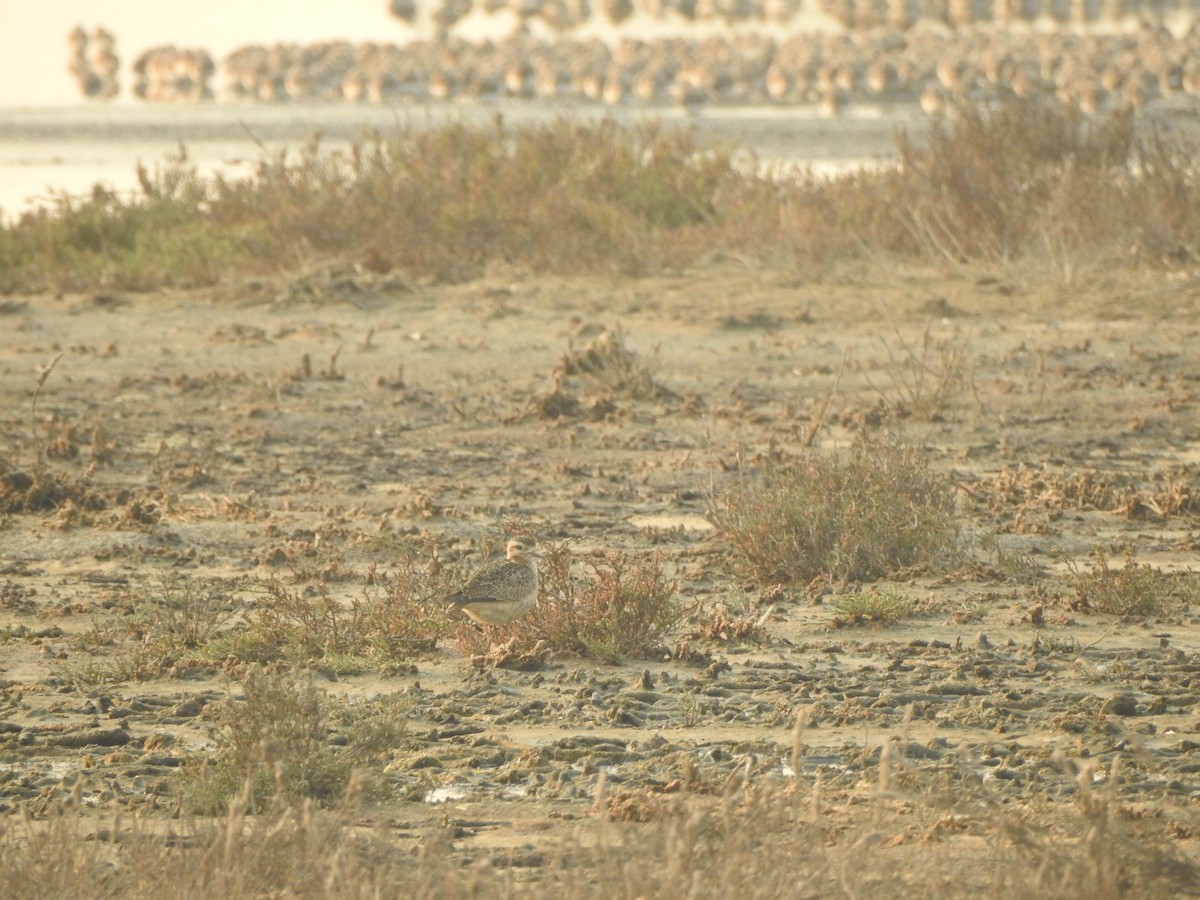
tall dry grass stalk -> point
(759, 835)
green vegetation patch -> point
(274, 742)
(1021, 181)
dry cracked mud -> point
(299, 431)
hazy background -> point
(33, 34)
(54, 141)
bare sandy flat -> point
(301, 432)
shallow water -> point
(48, 150)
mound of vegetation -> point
(1025, 180)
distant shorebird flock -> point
(1091, 53)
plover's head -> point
(521, 548)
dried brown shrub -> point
(621, 607)
(879, 511)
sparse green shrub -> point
(393, 619)
(562, 196)
(1136, 589)
(301, 625)
(272, 739)
(274, 743)
(168, 629)
(186, 625)
(622, 609)
(184, 614)
(876, 513)
(168, 237)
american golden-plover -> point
(502, 590)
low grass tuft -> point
(37, 488)
(879, 606)
(187, 625)
(45, 491)
(1009, 564)
(876, 513)
(731, 620)
(288, 849)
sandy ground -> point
(230, 435)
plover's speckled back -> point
(503, 590)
